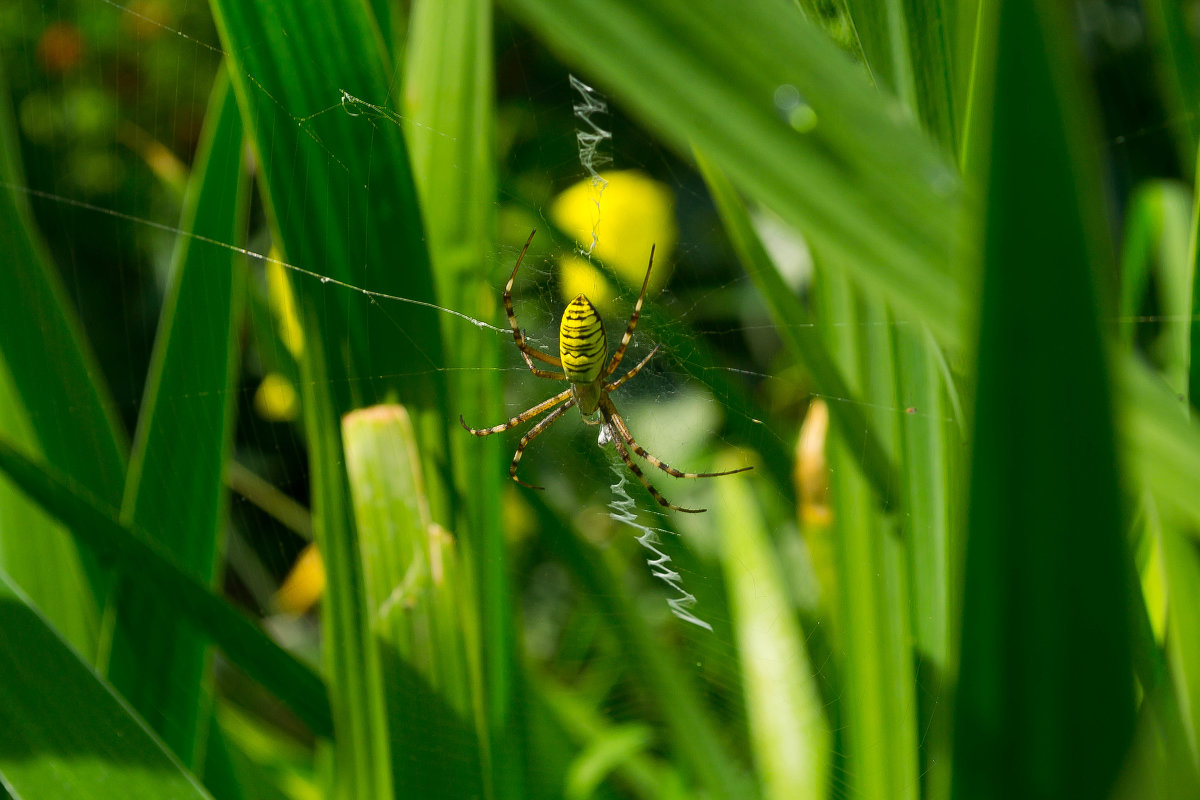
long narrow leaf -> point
(789, 318)
(160, 667)
(342, 202)
(54, 374)
(449, 98)
(1044, 705)
(96, 527)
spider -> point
(583, 348)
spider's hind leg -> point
(622, 430)
(641, 476)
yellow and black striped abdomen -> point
(581, 342)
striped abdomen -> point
(581, 342)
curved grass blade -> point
(188, 408)
(96, 527)
(806, 134)
(57, 381)
(64, 732)
(341, 200)
(789, 317)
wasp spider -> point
(582, 349)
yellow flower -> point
(304, 585)
(624, 217)
(275, 399)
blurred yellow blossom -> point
(276, 399)
(626, 216)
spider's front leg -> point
(520, 418)
(528, 352)
(534, 432)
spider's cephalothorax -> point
(583, 348)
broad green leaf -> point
(1044, 705)
(788, 731)
(790, 318)
(64, 732)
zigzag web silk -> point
(591, 105)
(590, 109)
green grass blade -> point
(1163, 448)
(1178, 71)
(449, 101)
(1156, 248)
(1182, 565)
(790, 318)
(54, 371)
(361, 746)
(42, 559)
(96, 527)
(339, 192)
(341, 200)
(1193, 263)
(1165, 740)
(415, 591)
(789, 734)
(64, 733)
(872, 609)
(161, 668)
(930, 26)
(873, 196)
(880, 32)
(57, 381)
(1044, 705)
(932, 445)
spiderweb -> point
(109, 101)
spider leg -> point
(524, 416)
(527, 351)
(533, 433)
(542, 373)
(637, 472)
(614, 418)
(632, 372)
(633, 321)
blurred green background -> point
(928, 267)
